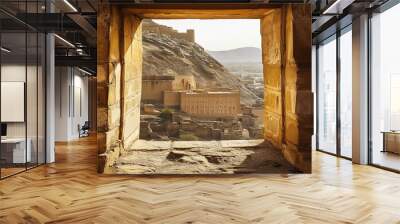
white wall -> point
(33, 126)
(71, 102)
(16, 73)
(62, 82)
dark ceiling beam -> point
(49, 22)
(84, 24)
(91, 5)
(321, 23)
(11, 25)
(15, 18)
(326, 25)
(81, 61)
(54, 22)
(331, 30)
(86, 51)
(337, 7)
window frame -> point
(334, 37)
(379, 10)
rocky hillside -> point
(165, 55)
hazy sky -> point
(221, 34)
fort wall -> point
(211, 104)
(172, 99)
(153, 88)
(153, 27)
(184, 82)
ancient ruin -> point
(190, 84)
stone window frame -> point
(286, 54)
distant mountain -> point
(238, 55)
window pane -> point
(327, 96)
(346, 94)
(14, 153)
(41, 99)
(385, 83)
(31, 97)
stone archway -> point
(286, 47)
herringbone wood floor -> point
(70, 191)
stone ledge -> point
(203, 157)
(164, 145)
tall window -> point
(346, 93)
(22, 101)
(385, 89)
(327, 96)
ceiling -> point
(75, 20)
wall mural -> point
(189, 96)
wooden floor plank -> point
(70, 191)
